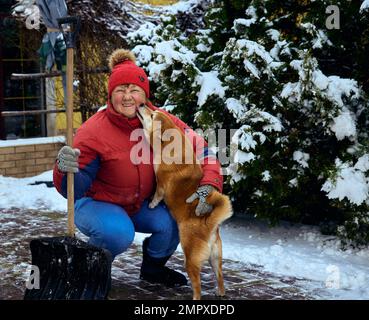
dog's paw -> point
(220, 293)
(153, 204)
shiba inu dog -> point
(177, 179)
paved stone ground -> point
(19, 226)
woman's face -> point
(127, 98)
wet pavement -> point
(19, 226)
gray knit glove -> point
(201, 193)
(67, 159)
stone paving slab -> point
(19, 226)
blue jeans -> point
(110, 227)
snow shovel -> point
(68, 268)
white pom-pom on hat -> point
(120, 55)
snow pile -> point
(237, 108)
(320, 38)
(29, 141)
(146, 32)
(20, 193)
(350, 182)
(173, 51)
(252, 54)
(364, 6)
(243, 157)
(299, 251)
(272, 123)
(302, 158)
(210, 84)
(251, 11)
(332, 88)
(344, 125)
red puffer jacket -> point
(106, 170)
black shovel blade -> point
(69, 269)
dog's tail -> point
(222, 207)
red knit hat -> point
(124, 70)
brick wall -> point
(28, 160)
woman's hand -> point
(67, 159)
(202, 193)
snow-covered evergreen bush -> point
(261, 68)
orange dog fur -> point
(199, 236)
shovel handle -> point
(69, 26)
(70, 175)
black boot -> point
(154, 271)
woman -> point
(112, 191)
